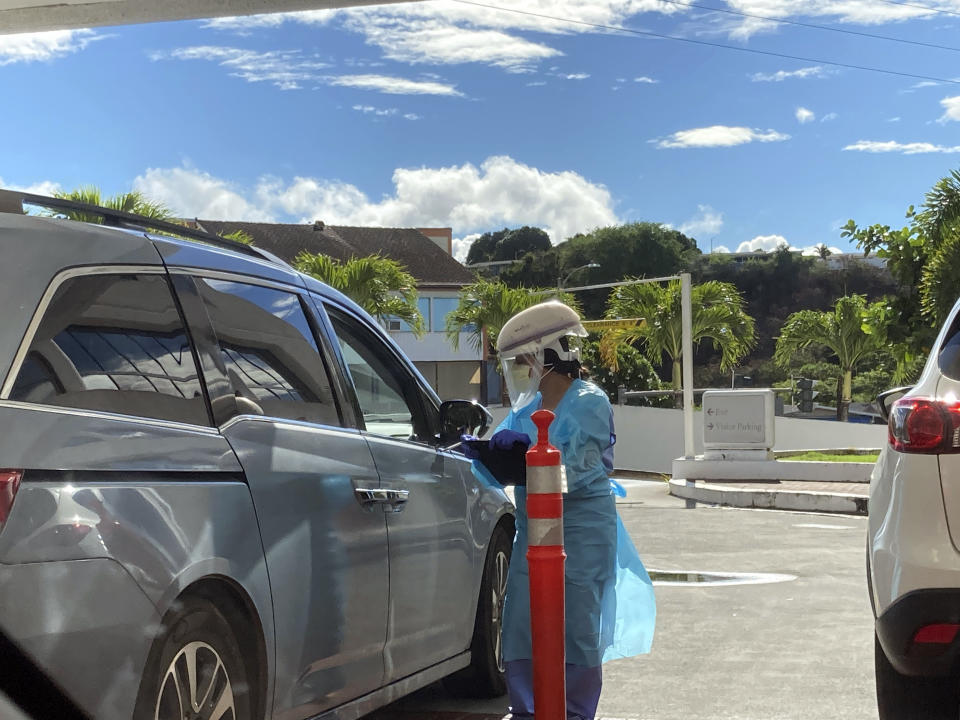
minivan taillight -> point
(924, 425)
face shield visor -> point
(522, 373)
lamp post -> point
(561, 283)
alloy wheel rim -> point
(499, 593)
(196, 686)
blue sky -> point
(451, 114)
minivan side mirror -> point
(886, 399)
(462, 417)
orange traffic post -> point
(545, 558)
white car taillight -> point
(924, 425)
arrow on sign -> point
(709, 411)
(709, 426)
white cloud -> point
(951, 105)
(576, 76)
(766, 243)
(915, 148)
(814, 250)
(370, 110)
(43, 187)
(461, 246)
(893, 119)
(720, 249)
(284, 69)
(539, 83)
(808, 72)
(707, 221)
(451, 33)
(394, 85)
(500, 192)
(859, 12)
(412, 116)
(828, 117)
(190, 193)
(290, 69)
(804, 115)
(44, 46)
(719, 136)
(646, 80)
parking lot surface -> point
(794, 649)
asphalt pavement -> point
(793, 649)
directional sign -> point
(618, 324)
(738, 419)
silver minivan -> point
(225, 493)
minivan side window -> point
(949, 356)
(388, 396)
(114, 343)
(269, 350)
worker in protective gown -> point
(610, 606)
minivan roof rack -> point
(12, 201)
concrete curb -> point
(807, 470)
(769, 498)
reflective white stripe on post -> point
(542, 531)
(544, 479)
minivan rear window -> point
(114, 343)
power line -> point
(921, 7)
(813, 26)
(769, 53)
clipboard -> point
(508, 467)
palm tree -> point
(486, 305)
(484, 308)
(717, 311)
(823, 251)
(132, 202)
(853, 331)
(379, 285)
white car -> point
(913, 543)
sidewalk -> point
(802, 495)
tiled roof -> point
(426, 261)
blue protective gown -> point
(610, 606)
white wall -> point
(649, 439)
(434, 347)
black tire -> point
(902, 697)
(483, 677)
(195, 627)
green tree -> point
(379, 285)
(508, 244)
(132, 202)
(922, 256)
(484, 307)
(852, 332)
(718, 315)
(633, 370)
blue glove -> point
(468, 451)
(504, 439)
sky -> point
(567, 115)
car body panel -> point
(327, 557)
(78, 619)
(167, 503)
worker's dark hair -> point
(552, 361)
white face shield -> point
(523, 374)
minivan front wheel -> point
(484, 676)
(195, 670)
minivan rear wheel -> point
(902, 697)
(484, 676)
(195, 670)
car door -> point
(432, 553)
(312, 479)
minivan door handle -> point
(392, 500)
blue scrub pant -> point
(583, 690)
